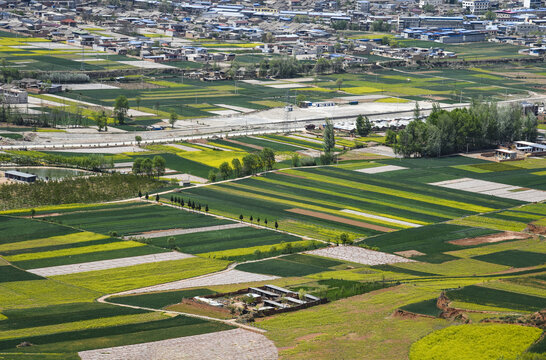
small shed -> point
(504, 154)
(20, 176)
(530, 146)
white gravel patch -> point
(231, 276)
(237, 344)
(183, 147)
(381, 169)
(236, 108)
(108, 264)
(108, 150)
(146, 64)
(39, 102)
(53, 45)
(258, 82)
(301, 79)
(286, 86)
(90, 60)
(95, 86)
(172, 232)
(378, 217)
(494, 189)
(358, 255)
(224, 112)
(191, 178)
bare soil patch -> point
(41, 216)
(489, 239)
(409, 253)
(138, 85)
(536, 229)
(361, 154)
(340, 219)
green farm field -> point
(217, 241)
(393, 212)
(328, 200)
(140, 219)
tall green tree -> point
(363, 126)
(267, 157)
(225, 170)
(137, 166)
(148, 167)
(121, 107)
(212, 175)
(328, 137)
(173, 116)
(158, 164)
(417, 111)
(102, 120)
(250, 164)
(237, 167)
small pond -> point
(48, 173)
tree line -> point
(480, 126)
(250, 164)
(93, 162)
(106, 187)
(150, 167)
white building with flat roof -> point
(476, 6)
(430, 2)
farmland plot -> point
(134, 221)
(230, 344)
(14, 230)
(291, 265)
(430, 242)
(475, 341)
(358, 255)
(108, 264)
(495, 189)
(226, 239)
(337, 200)
(496, 299)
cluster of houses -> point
(259, 301)
(300, 28)
(519, 150)
(17, 91)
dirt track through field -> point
(489, 239)
(230, 344)
(108, 264)
(340, 219)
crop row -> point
(220, 240)
(146, 218)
